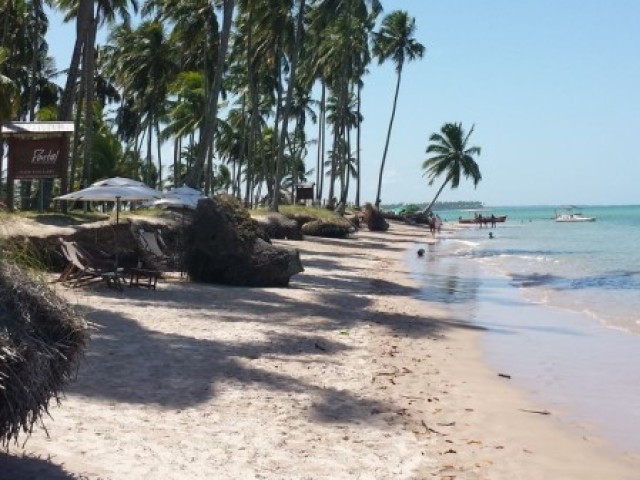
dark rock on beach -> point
(335, 228)
(225, 245)
(374, 219)
(279, 226)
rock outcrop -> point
(374, 219)
(279, 226)
(338, 228)
(224, 245)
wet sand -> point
(566, 360)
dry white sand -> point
(343, 375)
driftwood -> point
(539, 412)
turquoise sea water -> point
(593, 267)
(561, 304)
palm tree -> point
(211, 111)
(452, 157)
(143, 61)
(186, 112)
(293, 62)
(8, 101)
(340, 53)
(395, 41)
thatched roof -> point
(41, 340)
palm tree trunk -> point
(149, 144)
(269, 174)
(208, 129)
(76, 139)
(176, 166)
(287, 104)
(358, 132)
(428, 209)
(332, 178)
(5, 28)
(84, 22)
(25, 185)
(1, 159)
(37, 7)
(89, 92)
(244, 142)
(320, 159)
(386, 144)
(253, 121)
(139, 140)
(208, 179)
(158, 146)
(346, 174)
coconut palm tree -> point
(211, 111)
(185, 112)
(293, 63)
(340, 31)
(8, 101)
(143, 61)
(395, 41)
(452, 157)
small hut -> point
(41, 341)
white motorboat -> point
(569, 216)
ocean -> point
(561, 305)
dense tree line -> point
(233, 85)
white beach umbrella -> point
(180, 197)
(185, 192)
(112, 193)
(118, 182)
(176, 202)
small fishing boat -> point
(571, 216)
(482, 219)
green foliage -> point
(452, 157)
(247, 228)
(329, 228)
(314, 212)
(25, 254)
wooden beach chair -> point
(82, 267)
(153, 256)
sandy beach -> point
(346, 374)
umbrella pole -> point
(117, 210)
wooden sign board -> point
(37, 158)
(304, 193)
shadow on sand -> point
(23, 467)
(182, 371)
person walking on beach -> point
(493, 221)
(438, 223)
(432, 225)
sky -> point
(551, 86)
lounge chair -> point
(82, 267)
(151, 252)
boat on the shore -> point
(569, 216)
(483, 219)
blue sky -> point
(551, 86)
